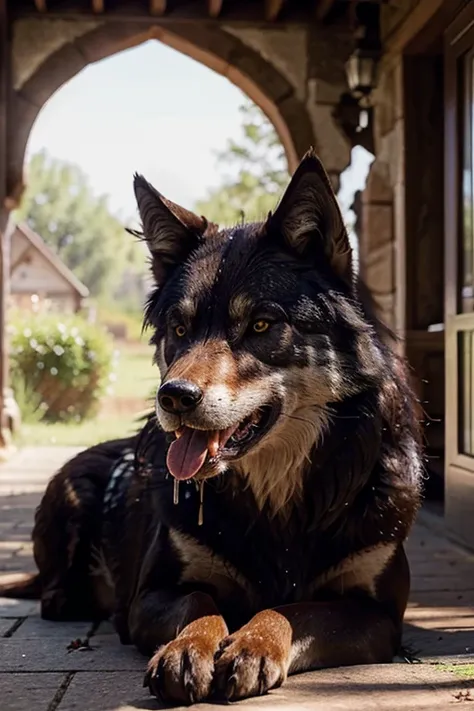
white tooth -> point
(213, 444)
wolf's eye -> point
(261, 326)
(180, 331)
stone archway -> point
(67, 48)
(283, 70)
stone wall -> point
(295, 74)
(402, 250)
(376, 242)
(382, 265)
(402, 216)
(312, 60)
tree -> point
(60, 206)
(258, 174)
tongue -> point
(187, 454)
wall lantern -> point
(361, 72)
(354, 112)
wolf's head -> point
(259, 332)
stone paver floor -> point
(37, 672)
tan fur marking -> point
(226, 400)
(240, 307)
(266, 637)
(275, 469)
(368, 354)
(74, 501)
(160, 359)
(207, 364)
(187, 308)
(199, 642)
(204, 566)
(71, 496)
(360, 570)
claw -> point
(149, 674)
(155, 690)
(189, 689)
(261, 677)
(188, 681)
(158, 695)
(152, 678)
(230, 687)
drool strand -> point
(201, 503)
(176, 492)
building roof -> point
(52, 258)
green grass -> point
(110, 314)
(84, 434)
(136, 376)
(465, 671)
(136, 380)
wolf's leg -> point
(301, 637)
(311, 635)
(191, 629)
(67, 525)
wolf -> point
(254, 528)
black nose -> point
(177, 396)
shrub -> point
(122, 324)
(29, 401)
(59, 366)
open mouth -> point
(192, 448)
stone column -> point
(376, 241)
(8, 408)
(4, 98)
(326, 81)
(311, 78)
(382, 246)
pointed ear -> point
(171, 232)
(309, 219)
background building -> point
(39, 279)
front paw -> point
(181, 671)
(253, 660)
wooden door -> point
(459, 274)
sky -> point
(148, 109)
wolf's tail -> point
(24, 587)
